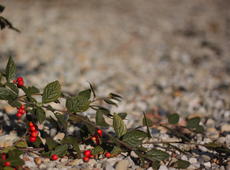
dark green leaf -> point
(32, 90)
(181, 164)
(156, 164)
(21, 144)
(10, 70)
(17, 162)
(1, 8)
(97, 150)
(199, 129)
(173, 118)
(110, 102)
(86, 94)
(105, 111)
(77, 104)
(116, 150)
(40, 114)
(51, 92)
(37, 143)
(6, 94)
(118, 125)
(60, 150)
(193, 122)
(158, 155)
(13, 87)
(134, 138)
(100, 120)
(51, 143)
(14, 154)
(92, 89)
(14, 103)
(70, 140)
(62, 121)
(147, 122)
(122, 115)
(8, 168)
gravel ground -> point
(161, 56)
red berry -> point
(20, 79)
(54, 157)
(21, 111)
(99, 132)
(91, 156)
(31, 124)
(3, 156)
(86, 159)
(20, 83)
(34, 133)
(32, 128)
(93, 138)
(7, 163)
(107, 155)
(22, 106)
(19, 115)
(32, 139)
(87, 153)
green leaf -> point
(173, 118)
(181, 164)
(92, 89)
(6, 94)
(14, 103)
(134, 138)
(110, 102)
(60, 150)
(77, 104)
(156, 164)
(17, 162)
(61, 120)
(13, 87)
(100, 120)
(97, 150)
(21, 144)
(118, 125)
(193, 122)
(147, 122)
(70, 140)
(8, 168)
(32, 90)
(1, 8)
(86, 94)
(10, 70)
(158, 155)
(14, 154)
(116, 150)
(51, 92)
(40, 114)
(122, 115)
(51, 143)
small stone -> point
(193, 160)
(163, 167)
(212, 133)
(38, 160)
(225, 128)
(207, 164)
(59, 136)
(184, 158)
(107, 166)
(133, 154)
(210, 123)
(122, 165)
(206, 158)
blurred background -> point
(160, 55)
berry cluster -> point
(33, 132)
(4, 157)
(19, 81)
(21, 111)
(95, 138)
